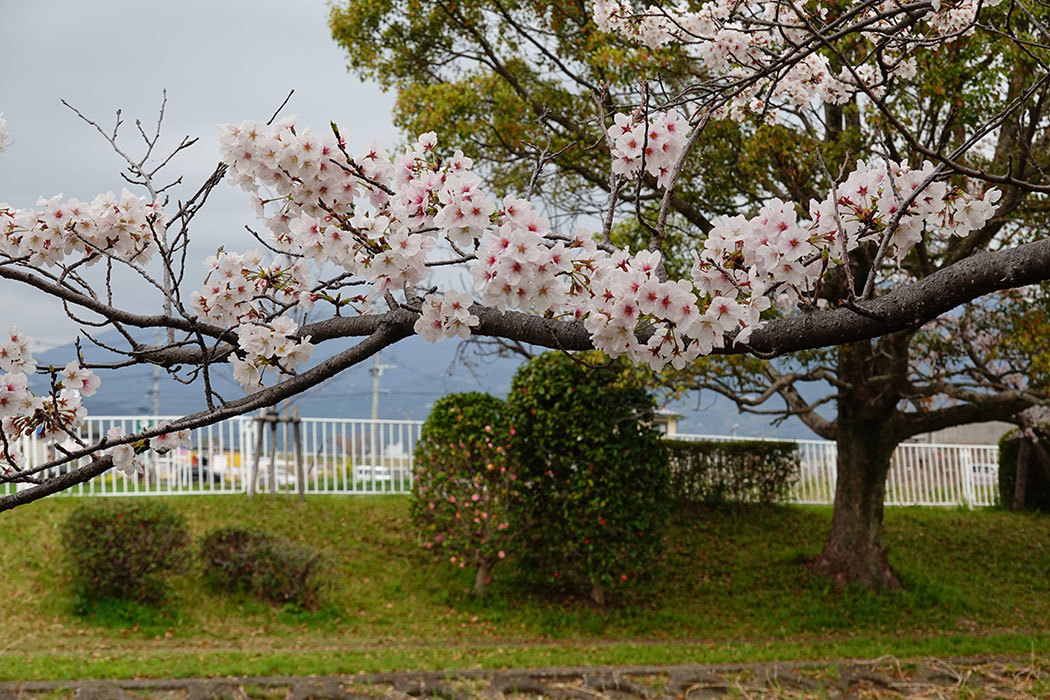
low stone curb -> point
(1016, 677)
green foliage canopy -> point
(465, 482)
(595, 477)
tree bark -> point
(1042, 455)
(854, 552)
(481, 579)
(597, 593)
(1021, 480)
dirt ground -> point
(886, 677)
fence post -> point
(253, 473)
(273, 453)
(832, 469)
(414, 430)
(242, 453)
(968, 483)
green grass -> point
(732, 585)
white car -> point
(367, 472)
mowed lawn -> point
(731, 585)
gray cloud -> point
(219, 62)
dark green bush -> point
(464, 482)
(594, 492)
(1037, 485)
(264, 565)
(129, 550)
(716, 472)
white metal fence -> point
(922, 474)
(341, 456)
(361, 456)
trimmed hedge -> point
(464, 483)
(264, 565)
(129, 550)
(594, 497)
(747, 470)
(1037, 485)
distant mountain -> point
(414, 374)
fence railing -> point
(340, 456)
(923, 474)
(361, 456)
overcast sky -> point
(220, 61)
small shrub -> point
(714, 472)
(594, 497)
(264, 565)
(464, 482)
(1037, 485)
(129, 550)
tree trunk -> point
(854, 552)
(1042, 455)
(1021, 480)
(482, 578)
(866, 439)
(597, 593)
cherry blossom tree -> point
(509, 95)
(354, 235)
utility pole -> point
(155, 392)
(377, 371)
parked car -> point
(368, 472)
(985, 474)
(282, 479)
(197, 473)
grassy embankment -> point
(731, 586)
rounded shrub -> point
(128, 550)
(267, 566)
(595, 478)
(464, 483)
(1037, 485)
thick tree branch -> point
(992, 407)
(798, 405)
(110, 313)
(387, 334)
(906, 307)
(98, 465)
